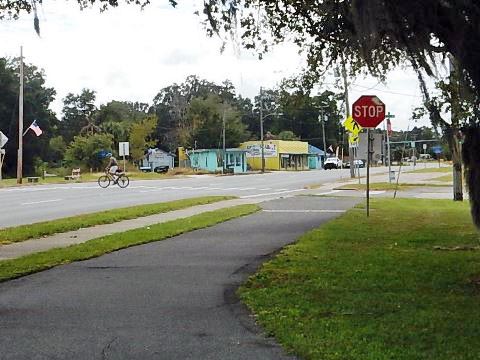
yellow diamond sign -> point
(352, 126)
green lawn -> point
(37, 230)
(376, 288)
(10, 269)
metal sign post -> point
(368, 171)
(2, 159)
(368, 111)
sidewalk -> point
(437, 190)
(171, 299)
(15, 250)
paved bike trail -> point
(173, 299)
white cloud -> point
(129, 54)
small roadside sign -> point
(412, 143)
(3, 139)
(352, 126)
(124, 149)
(424, 146)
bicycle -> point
(121, 180)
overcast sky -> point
(129, 54)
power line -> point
(388, 91)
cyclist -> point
(112, 167)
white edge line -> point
(41, 202)
(305, 211)
(273, 193)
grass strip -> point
(446, 169)
(44, 228)
(10, 269)
(387, 186)
(378, 287)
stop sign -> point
(368, 111)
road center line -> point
(41, 202)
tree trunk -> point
(455, 145)
(471, 160)
(457, 169)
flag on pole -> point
(36, 129)
(389, 127)
(330, 148)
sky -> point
(127, 54)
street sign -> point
(412, 143)
(368, 111)
(353, 139)
(424, 146)
(124, 149)
(352, 126)
(3, 139)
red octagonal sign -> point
(368, 111)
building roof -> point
(314, 150)
(216, 150)
(155, 150)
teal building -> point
(212, 160)
(316, 157)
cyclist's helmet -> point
(108, 155)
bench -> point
(75, 175)
(32, 179)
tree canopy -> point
(378, 34)
(37, 100)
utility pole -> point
(223, 134)
(321, 119)
(351, 151)
(389, 116)
(261, 130)
(20, 123)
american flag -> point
(36, 129)
(389, 127)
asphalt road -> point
(25, 205)
(174, 299)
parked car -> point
(157, 160)
(332, 163)
(358, 164)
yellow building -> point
(278, 154)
